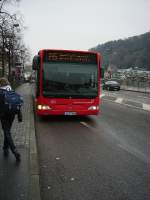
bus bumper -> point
(67, 113)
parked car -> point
(111, 85)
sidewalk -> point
(21, 181)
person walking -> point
(6, 121)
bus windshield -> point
(69, 80)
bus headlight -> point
(93, 108)
(43, 107)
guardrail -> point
(140, 86)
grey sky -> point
(82, 24)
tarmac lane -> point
(128, 98)
(99, 157)
(134, 96)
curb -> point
(146, 92)
(34, 187)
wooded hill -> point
(126, 53)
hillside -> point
(130, 52)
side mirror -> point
(36, 62)
(102, 72)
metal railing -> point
(135, 85)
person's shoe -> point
(17, 156)
(6, 152)
(20, 116)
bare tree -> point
(12, 48)
(4, 3)
(8, 34)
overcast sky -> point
(82, 24)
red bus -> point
(67, 82)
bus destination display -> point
(71, 57)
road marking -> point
(88, 126)
(137, 153)
(146, 106)
(102, 95)
(119, 100)
(84, 124)
(128, 105)
(144, 97)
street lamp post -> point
(2, 51)
(13, 40)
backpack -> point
(10, 101)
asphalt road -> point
(134, 96)
(105, 157)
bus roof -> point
(67, 50)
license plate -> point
(70, 113)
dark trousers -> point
(7, 121)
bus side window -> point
(102, 72)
